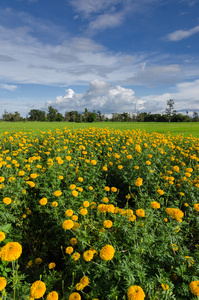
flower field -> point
(99, 214)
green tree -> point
(170, 111)
(10, 117)
(195, 116)
(37, 115)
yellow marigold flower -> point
(69, 250)
(148, 163)
(74, 217)
(132, 218)
(140, 212)
(107, 188)
(196, 206)
(7, 200)
(165, 286)
(88, 255)
(61, 177)
(155, 205)
(79, 286)
(194, 287)
(80, 179)
(102, 208)
(84, 280)
(136, 167)
(138, 181)
(83, 211)
(76, 256)
(90, 188)
(75, 193)
(43, 201)
(160, 192)
(86, 204)
(2, 179)
(33, 175)
(73, 241)
(176, 169)
(21, 173)
(69, 212)
(105, 200)
(107, 252)
(110, 208)
(129, 156)
(175, 213)
(68, 158)
(52, 265)
(52, 296)
(135, 292)
(2, 236)
(108, 224)
(38, 261)
(3, 283)
(30, 183)
(11, 251)
(57, 193)
(93, 162)
(72, 186)
(74, 296)
(189, 170)
(54, 204)
(37, 289)
(120, 167)
(138, 148)
(113, 189)
(67, 224)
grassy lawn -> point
(173, 128)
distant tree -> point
(91, 117)
(67, 116)
(10, 117)
(195, 116)
(170, 110)
(53, 115)
(37, 115)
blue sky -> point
(108, 55)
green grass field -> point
(173, 128)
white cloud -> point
(185, 96)
(179, 35)
(110, 99)
(106, 21)
(89, 7)
(8, 87)
(155, 75)
(101, 96)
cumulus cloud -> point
(8, 87)
(110, 99)
(101, 96)
(179, 35)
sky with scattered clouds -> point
(109, 55)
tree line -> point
(53, 115)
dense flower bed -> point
(99, 214)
